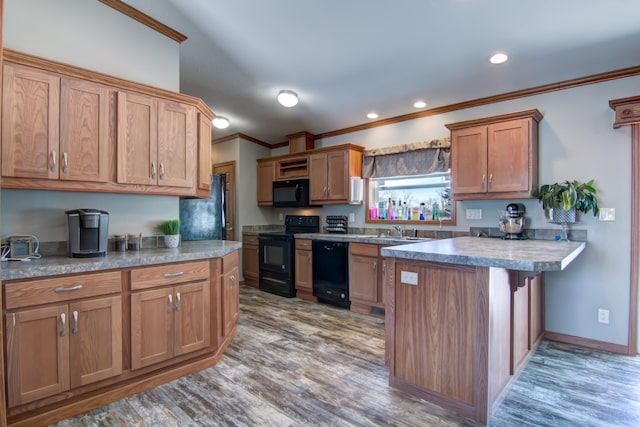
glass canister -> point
(134, 242)
(120, 242)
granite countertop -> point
(57, 265)
(361, 238)
(525, 255)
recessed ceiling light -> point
(498, 58)
(221, 122)
(419, 104)
(372, 115)
(287, 98)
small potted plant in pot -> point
(171, 230)
(561, 200)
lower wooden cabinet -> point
(250, 260)
(304, 270)
(171, 320)
(527, 316)
(55, 348)
(365, 279)
(230, 293)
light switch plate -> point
(409, 278)
(474, 213)
(607, 214)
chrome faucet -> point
(398, 229)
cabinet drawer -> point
(250, 240)
(168, 274)
(366, 249)
(44, 291)
(303, 244)
(229, 262)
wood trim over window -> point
(145, 19)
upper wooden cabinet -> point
(157, 141)
(65, 128)
(330, 175)
(495, 157)
(30, 122)
(266, 176)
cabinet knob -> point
(63, 320)
(75, 322)
(53, 161)
(65, 162)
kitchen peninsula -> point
(464, 315)
(84, 332)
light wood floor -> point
(296, 363)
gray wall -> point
(92, 35)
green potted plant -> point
(171, 230)
(561, 200)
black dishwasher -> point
(331, 272)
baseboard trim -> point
(586, 342)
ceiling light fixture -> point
(221, 122)
(419, 104)
(498, 58)
(287, 98)
(372, 115)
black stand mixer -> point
(512, 222)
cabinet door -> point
(30, 123)
(177, 144)
(469, 160)
(536, 309)
(192, 312)
(508, 156)
(317, 177)
(266, 176)
(37, 354)
(363, 278)
(250, 262)
(84, 131)
(304, 271)
(95, 340)
(338, 175)
(151, 327)
(231, 300)
(204, 153)
(137, 139)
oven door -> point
(275, 254)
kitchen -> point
(573, 118)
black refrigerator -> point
(204, 219)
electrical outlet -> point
(607, 214)
(281, 216)
(352, 217)
(603, 315)
(408, 277)
(474, 213)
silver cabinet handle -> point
(63, 319)
(161, 170)
(53, 161)
(375, 265)
(75, 322)
(73, 288)
(491, 181)
(177, 301)
(169, 275)
(65, 162)
(153, 170)
(170, 307)
(233, 281)
(483, 177)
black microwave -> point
(293, 193)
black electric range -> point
(277, 254)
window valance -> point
(415, 158)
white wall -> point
(577, 141)
(91, 35)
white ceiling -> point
(346, 58)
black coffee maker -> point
(88, 231)
(512, 222)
